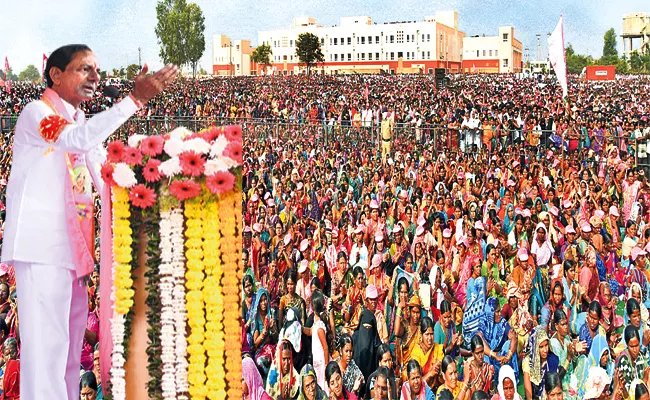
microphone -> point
(111, 91)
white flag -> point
(556, 55)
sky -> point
(115, 29)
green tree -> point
(10, 75)
(622, 66)
(575, 63)
(202, 71)
(262, 55)
(308, 50)
(122, 73)
(30, 74)
(103, 74)
(180, 32)
(115, 72)
(636, 62)
(609, 47)
(646, 61)
(132, 70)
(193, 35)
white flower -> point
(216, 165)
(135, 140)
(180, 133)
(197, 145)
(124, 176)
(170, 167)
(218, 146)
(174, 147)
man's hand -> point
(148, 86)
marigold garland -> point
(229, 206)
(166, 286)
(180, 312)
(194, 210)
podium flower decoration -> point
(181, 192)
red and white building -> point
(493, 54)
(231, 57)
(359, 45)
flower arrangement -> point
(180, 191)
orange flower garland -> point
(229, 208)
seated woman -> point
(415, 388)
(631, 362)
(352, 375)
(335, 383)
(553, 387)
(633, 314)
(411, 335)
(592, 326)
(427, 353)
(458, 389)
(564, 347)
(283, 380)
(264, 329)
(477, 369)
(444, 332)
(639, 390)
(476, 292)
(309, 388)
(499, 340)
(354, 301)
(537, 363)
(253, 385)
(555, 301)
(507, 387)
(88, 386)
(599, 356)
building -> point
(231, 58)
(636, 26)
(359, 45)
(493, 54)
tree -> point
(262, 55)
(132, 70)
(194, 38)
(180, 32)
(609, 47)
(103, 74)
(10, 75)
(575, 63)
(636, 63)
(122, 72)
(202, 71)
(115, 73)
(30, 74)
(308, 50)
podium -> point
(171, 266)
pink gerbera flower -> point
(152, 146)
(115, 151)
(233, 133)
(151, 172)
(234, 151)
(211, 134)
(132, 156)
(184, 189)
(192, 163)
(142, 196)
(220, 182)
(107, 174)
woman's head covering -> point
(261, 292)
(532, 350)
(308, 370)
(366, 342)
(252, 378)
(597, 380)
(506, 371)
(275, 373)
(508, 224)
(292, 329)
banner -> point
(556, 55)
(6, 67)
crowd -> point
(513, 271)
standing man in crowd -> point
(49, 226)
(387, 125)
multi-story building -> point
(231, 57)
(358, 44)
(493, 54)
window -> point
(290, 43)
(377, 39)
(370, 56)
(400, 54)
(349, 41)
(400, 36)
(428, 37)
(423, 55)
(505, 62)
(335, 41)
(477, 53)
(483, 53)
(369, 39)
(392, 39)
(423, 37)
(408, 55)
(330, 41)
(428, 54)
(408, 38)
(496, 53)
(336, 57)
(505, 37)
(342, 41)
(490, 53)
(357, 40)
(363, 40)
(392, 56)
(342, 57)
(376, 56)
(357, 56)
(322, 42)
(349, 56)
(363, 56)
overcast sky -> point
(115, 29)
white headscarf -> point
(507, 372)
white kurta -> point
(52, 304)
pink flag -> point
(556, 55)
(366, 92)
(6, 67)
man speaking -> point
(49, 225)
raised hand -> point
(148, 86)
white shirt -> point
(35, 227)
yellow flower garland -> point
(122, 240)
(229, 208)
(194, 215)
(213, 295)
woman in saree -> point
(599, 356)
(411, 336)
(427, 353)
(415, 388)
(516, 312)
(538, 362)
(556, 301)
(253, 384)
(458, 389)
(396, 309)
(592, 326)
(499, 340)
(291, 299)
(444, 332)
(476, 293)
(507, 386)
(634, 315)
(309, 388)
(283, 379)
(264, 329)
(608, 304)
(248, 301)
(509, 220)
(462, 271)
(272, 281)
(564, 347)
(631, 362)
(477, 369)
(630, 194)
(354, 301)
